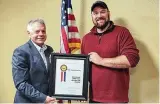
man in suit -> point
(30, 66)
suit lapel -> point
(47, 54)
(47, 59)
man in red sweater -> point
(112, 52)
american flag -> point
(70, 38)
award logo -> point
(63, 72)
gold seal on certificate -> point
(63, 72)
(69, 76)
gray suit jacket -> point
(30, 74)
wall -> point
(140, 17)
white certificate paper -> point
(69, 76)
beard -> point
(103, 25)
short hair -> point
(31, 22)
(99, 4)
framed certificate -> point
(69, 76)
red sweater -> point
(110, 84)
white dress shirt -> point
(41, 51)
